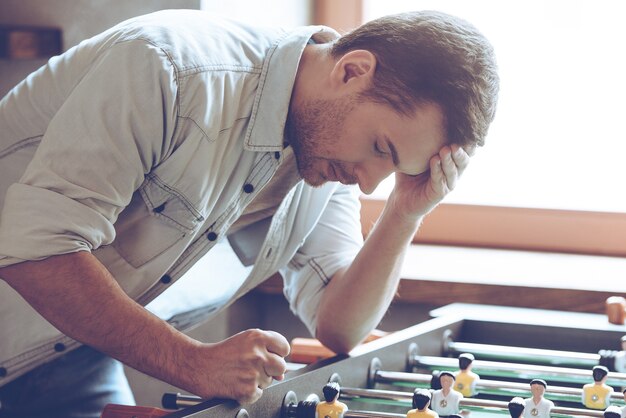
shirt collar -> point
(271, 103)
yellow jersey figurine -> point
(331, 408)
(465, 378)
(597, 395)
(421, 401)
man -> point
(537, 405)
(331, 407)
(421, 401)
(127, 158)
(445, 401)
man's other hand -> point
(241, 366)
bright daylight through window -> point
(558, 140)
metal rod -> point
(371, 414)
(496, 387)
(534, 355)
(517, 370)
(357, 393)
(187, 400)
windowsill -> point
(514, 268)
(439, 275)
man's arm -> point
(356, 298)
(78, 295)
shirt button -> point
(212, 236)
(166, 279)
(248, 188)
(58, 347)
(159, 208)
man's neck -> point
(312, 75)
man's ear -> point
(354, 70)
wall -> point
(287, 13)
(78, 20)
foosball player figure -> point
(620, 357)
(331, 408)
(597, 395)
(465, 378)
(614, 360)
(516, 407)
(537, 406)
(613, 412)
(445, 401)
(421, 401)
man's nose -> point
(370, 177)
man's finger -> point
(275, 365)
(461, 158)
(265, 381)
(277, 344)
(449, 168)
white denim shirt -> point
(136, 145)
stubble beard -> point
(313, 130)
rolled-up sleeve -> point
(114, 126)
(332, 245)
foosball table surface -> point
(400, 352)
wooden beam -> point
(576, 232)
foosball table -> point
(511, 347)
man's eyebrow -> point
(394, 152)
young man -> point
(124, 160)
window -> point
(555, 154)
(558, 139)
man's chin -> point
(317, 182)
(313, 179)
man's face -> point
(359, 142)
(537, 390)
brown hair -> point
(431, 57)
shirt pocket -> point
(155, 220)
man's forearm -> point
(357, 298)
(78, 295)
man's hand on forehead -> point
(415, 196)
